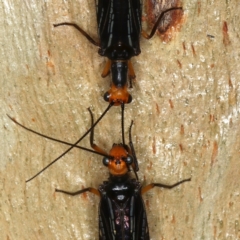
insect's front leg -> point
(89, 189)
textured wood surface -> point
(185, 108)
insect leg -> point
(131, 73)
(152, 185)
(106, 69)
(87, 36)
(148, 36)
(89, 189)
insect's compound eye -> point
(128, 160)
(105, 161)
(129, 99)
(106, 97)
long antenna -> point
(135, 161)
(55, 139)
(72, 145)
(122, 122)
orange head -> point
(118, 95)
(119, 162)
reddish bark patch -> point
(171, 104)
(172, 20)
(182, 130)
(214, 153)
(179, 64)
(226, 39)
(154, 146)
(181, 147)
(157, 109)
(193, 50)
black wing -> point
(141, 230)
(119, 21)
(123, 220)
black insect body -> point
(119, 30)
(122, 213)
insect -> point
(119, 29)
(122, 213)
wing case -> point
(122, 214)
(119, 28)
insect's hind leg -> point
(106, 69)
(89, 189)
(152, 185)
(131, 73)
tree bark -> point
(186, 122)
